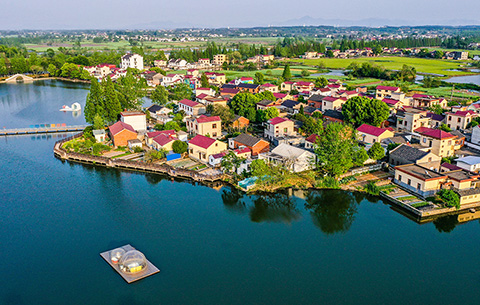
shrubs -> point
(372, 188)
(449, 198)
(179, 147)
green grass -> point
(406, 198)
(470, 52)
(422, 65)
(420, 204)
(121, 155)
(442, 92)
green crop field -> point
(422, 65)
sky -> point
(128, 14)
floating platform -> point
(130, 278)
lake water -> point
(213, 246)
(468, 79)
(331, 73)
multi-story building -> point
(201, 147)
(386, 92)
(219, 59)
(210, 126)
(136, 119)
(410, 119)
(278, 127)
(191, 108)
(460, 119)
(440, 142)
(132, 60)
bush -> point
(179, 147)
(449, 198)
(372, 188)
(137, 149)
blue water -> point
(214, 246)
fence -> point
(365, 169)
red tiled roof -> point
(162, 139)
(189, 103)
(120, 126)
(301, 83)
(277, 120)
(279, 95)
(242, 150)
(330, 98)
(462, 113)
(390, 88)
(267, 85)
(312, 138)
(153, 134)
(333, 86)
(390, 101)
(417, 95)
(450, 166)
(202, 96)
(246, 78)
(324, 89)
(289, 82)
(371, 130)
(203, 88)
(434, 133)
(206, 119)
(202, 141)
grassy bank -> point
(422, 65)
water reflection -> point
(274, 208)
(332, 211)
(232, 200)
(446, 224)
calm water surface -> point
(468, 79)
(213, 246)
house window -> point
(419, 186)
(399, 177)
(214, 126)
(409, 182)
(449, 118)
(458, 120)
(214, 134)
(424, 140)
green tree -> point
(271, 112)
(360, 156)
(159, 95)
(286, 75)
(171, 125)
(363, 110)
(259, 78)
(321, 82)
(305, 73)
(224, 113)
(180, 92)
(335, 149)
(179, 147)
(98, 122)
(204, 81)
(243, 102)
(450, 198)
(231, 162)
(376, 152)
(111, 101)
(94, 104)
(444, 127)
(265, 95)
(131, 91)
(259, 168)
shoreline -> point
(71, 80)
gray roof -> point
(264, 102)
(289, 151)
(470, 160)
(247, 140)
(316, 98)
(408, 153)
(457, 133)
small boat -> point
(74, 107)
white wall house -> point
(131, 60)
(470, 163)
(136, 119)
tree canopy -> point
(363, 110)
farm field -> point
(435, 66)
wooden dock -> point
(130, 278)
(37, 130)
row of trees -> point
(366, 69)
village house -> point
(99, 135)
(120, 133)
(333, 116)
(287, 86)
(103, 70)
(201, 147)
(216, 79)
(331, 103)
(256, 145)
(163, 142)
(131, 60)
(385, 92)
(460, 119)
(470, 163)
(136, 119)
(252, 88)
(210, 126)
(268, 87)
(410, 119)
(204, 62)
(191, 108)
(311, 141)
(219, 59)
(441, 143)
(371, 134)
(149, 136)
(240, 122)
(290, 106)
(160, 63)
(427, 101)
(426, 183)
(293, 158)
(157, 110)
(207, 91)
(278, 127)
(405, 154)
(264, 104)
(177, 64)
(302, 86)
(172, 79)
(393, 104)
(435, 119)
(210, 100)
